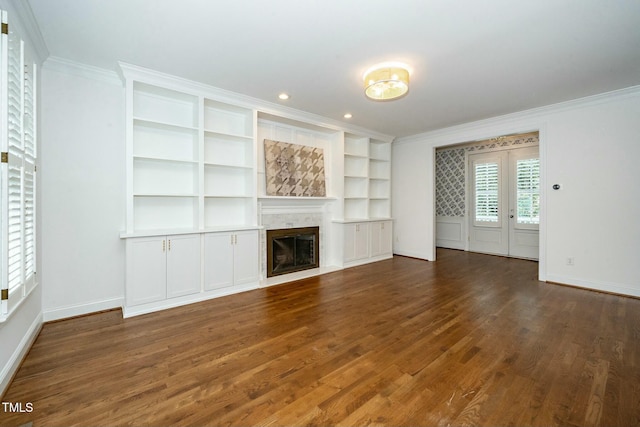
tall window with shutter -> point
(18, 175)
(487, 192)
(528, 191)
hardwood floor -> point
(468, 340)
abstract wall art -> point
(294, 170)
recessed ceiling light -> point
(348, 116)
(283, 96)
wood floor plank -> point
(467, 340)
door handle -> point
(510, 216)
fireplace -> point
(292, 249)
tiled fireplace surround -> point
(282, 213)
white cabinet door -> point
(230, 259)
(183, 265)
(218, 260)
(146, 270)
(245, 257)
(381, 238)
(349, 233)
(362, 241)
(356, 241)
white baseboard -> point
(412, 254)
(449, 244)
(613, 288)
(6, 375)
(137, 310)
(80, 309)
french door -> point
(505, 202)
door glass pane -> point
(486, 192)
(528, 191)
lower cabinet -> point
(356, 241)
(381, 238)
(162, 267)
(230, 259)
(172, 270)
(366, 241)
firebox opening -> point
(292, 249)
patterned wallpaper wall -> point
(450, 177)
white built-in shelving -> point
(191, 180)
(356, 177)
(164, 160)
(229, 166)
(192, 163)
(365, 228)
(367, 178)
(379, 179)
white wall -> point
(83, 189)
(590, 147)
(413, 199)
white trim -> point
(12, 365)
(136, 310)
(542, 225)
(615, 288)
(413, 254)
(484, 129)
(81, 309)
(166, 232)
(289, 205)
(367, 260)
(456, 221)
(74, 68)
(28, 25)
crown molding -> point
(28, 25)
(67, 66)
(521, 121)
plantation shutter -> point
(29, 162)
(487, 191)
(528, 191)
(18, 170)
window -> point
(486, 192)
(18, 171)
(528, 191)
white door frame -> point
(482, 131)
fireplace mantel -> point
(283, 204)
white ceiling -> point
(471, 59)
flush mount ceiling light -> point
(386, 81)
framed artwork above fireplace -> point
(294, 170)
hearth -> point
(292, 249)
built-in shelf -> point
(192, 162)
(367, 177)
